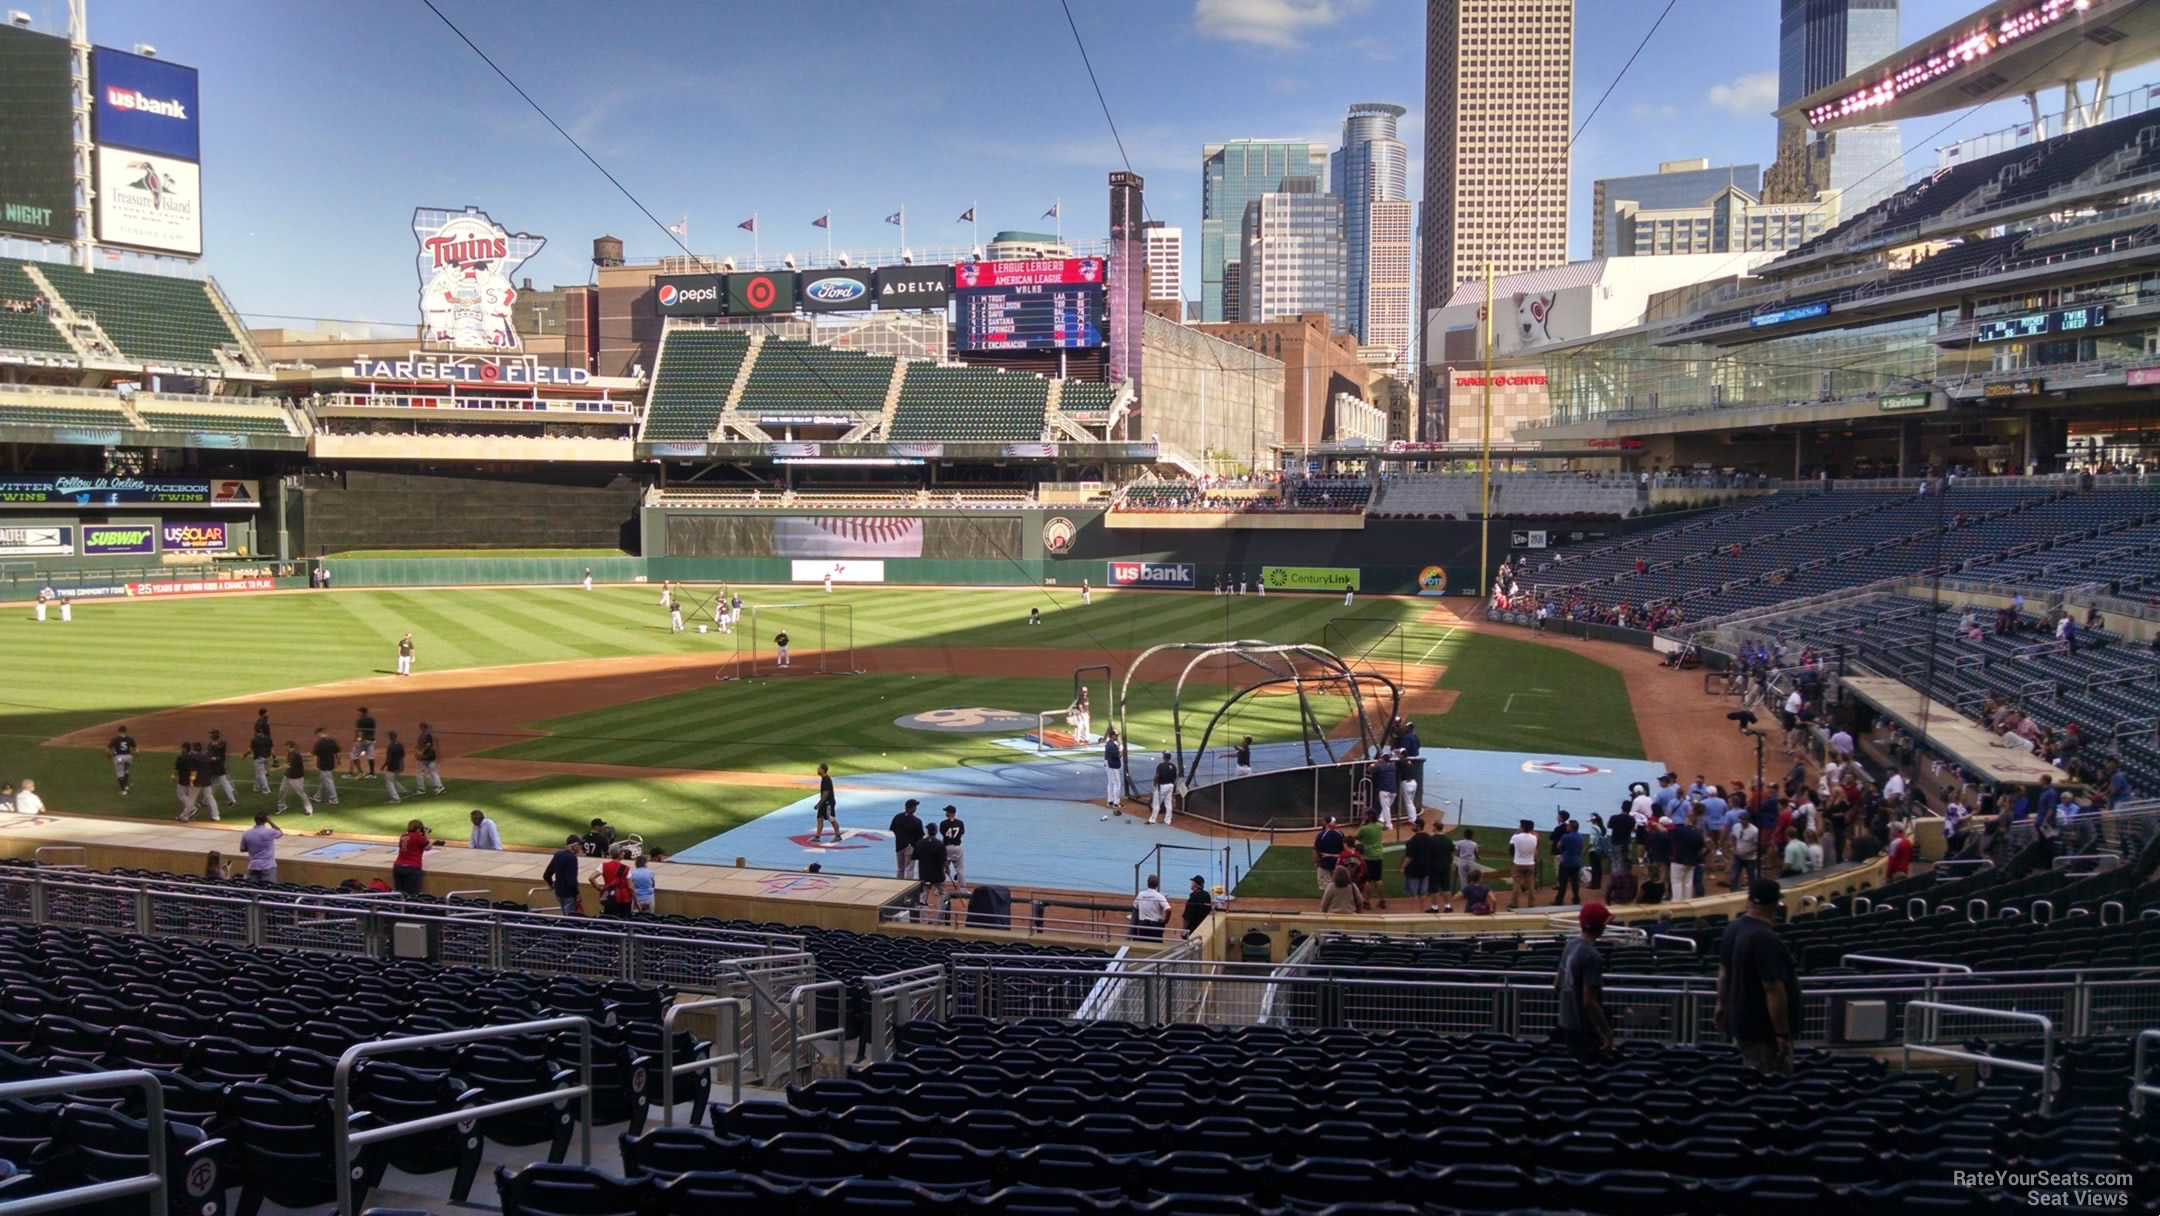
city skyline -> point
(405, 115)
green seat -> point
(230, 424)
(697, 368)
(29, 330)
(151, 318)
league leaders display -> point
(37, 171)
(1042, 305)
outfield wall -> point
(559, 507)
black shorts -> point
(1372, 870)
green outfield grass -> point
(125, 658)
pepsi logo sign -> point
(836, 291)
(667, 295)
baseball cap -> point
(1595, 915)
(1765, 892)
(912, 803)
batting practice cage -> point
(1079, 722)
(820, 634)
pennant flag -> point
(1052, 213)
(966, 217)
(748, 225)
(894, 218)
(680, 228)
(823, 221)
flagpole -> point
(757, 259)
(828, 236)
(903, 229)
(1059, 208)
(974, 227)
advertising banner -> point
(914, 286)
(848, 536)
(467, 263)
(1029, 274)
(1890, 402)
(148, 201)
(837, 290)
(2013, 388)
(687, 295)
(37, 142)
(842, 572)
(1150, 574)
(194, 536)
(203, 585)
(757, 292)
(1432, 581)
(1309, 578)
(1527, 540)
(60, 489)
(2138, 377)
(37, 542)
(99, 540)
(144, 103)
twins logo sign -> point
(466, 263)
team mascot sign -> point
(466, 264)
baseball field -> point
(556, 705)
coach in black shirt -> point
(906, 831)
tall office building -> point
(1296, 259)
(1498, 111)
(1371, 166)
(1820, 42)
(1165, 262)
(1677, 183)
(1232, 175)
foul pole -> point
(1484, 548)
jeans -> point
(1749, 868)
(1570, 881)
(264, 874)
(406, 879)
(568, 903)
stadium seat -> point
(570, 1190)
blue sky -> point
(325, 124)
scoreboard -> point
(1029, 305)
(2041, 324)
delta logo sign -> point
(467, 262)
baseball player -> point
(952, 830)
(363, 747)
(1087, 596)
(735, 609)
(262, 723)
(1347, 596)
(183, 779)
(326, 751)
(588, 578)
(1241, 755)
(393, 764)
(828, 807)
(122, 751)
(430, 761)
(404, 655)
(1114, 764)
(674, 616)
(217, 753)
(720, 613)
(1079, 717)
(1165, 790)
(667, 593)
(259, 749)
(295, 779)
(828, 580)
(199, 772)
(780, 644)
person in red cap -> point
(1581, 985)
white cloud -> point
(1751, 96)
(1277, 23)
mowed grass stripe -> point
(444, 640)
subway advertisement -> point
(101, 540)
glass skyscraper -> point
(1820, 42)
(1372, 166)
(1295, 257)
(1232, 175)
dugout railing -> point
(1848, 1010)
(685, 957)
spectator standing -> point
(1758, 997)
(1900, 852)
(485, 835)
(1621, 829)
(1417, 865)
(1796, 856)
(412, 847)
(1746, 853)
(1522, 847)
(1568, 860)
(612, 880)
(1581, 985)
(1467, 867)
(1684, 843)
(1372, 844)
(1597, 850)
(644, 885)
(1327, 851)
(906, 828)
(1151, 910)
(561, 875)
(1339, 896)
(1198, 904)
(260, 845)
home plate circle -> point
(1562, 768)
(969, 720)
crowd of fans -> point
(1250, 495)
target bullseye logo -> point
(1561, 768)
(760, 292)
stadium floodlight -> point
(907, 257)
(843, 259)
(788, 261)
(18, 17)
(975, 254)
(145, 50)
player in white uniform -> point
(674, 614)
(588, 578)
(828, 582)
(1080, 717)
(404, 655)
(720, 613)
(1087, 596)
(667, 593)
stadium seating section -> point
(801, 378)
(103, 416)
(26, 330)
(969, 405)
(1545, 495)
(231, 424)
(690, 387)
(1081, 397)
(151, 318)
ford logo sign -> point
(836, 291)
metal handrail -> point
(2139, 1090)
(1912, 963)
(731, 1032)
(2045, 1068)
(806, 994)
(150, 1184)
(38, 855)
(343, 1140)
